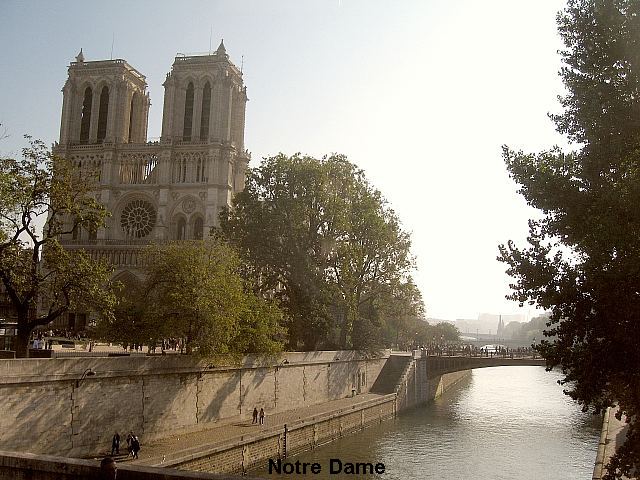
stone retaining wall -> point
(17, 466)
(46, 411)
(249, 452)
(418, 385)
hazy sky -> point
(420, 94)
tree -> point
(42, 279)
(400, 309)
(129, 324)
(192, 290)
(582, 262)
(318, 236)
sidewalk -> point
(168, 450)
(614, 433)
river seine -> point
(501, 423)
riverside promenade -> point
(614, 433)
(183, 450)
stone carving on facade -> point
(138, 168)
(190, 167)
(188, 205)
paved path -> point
(614, 433)
(234, 429)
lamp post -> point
(87, 373)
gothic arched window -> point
(85, 121)
(206, 108)
(132, 116)
(188, 114)
(103, 113)
(197, 228)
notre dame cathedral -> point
(171, 189)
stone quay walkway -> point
(614, 433)
(169, 450)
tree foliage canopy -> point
(583, 258)
(319, 236)
(42, 279)
(193, 291)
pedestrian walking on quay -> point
(261, 416)
(135, 446)
(115, 444)
(255, 415)
(129, 440)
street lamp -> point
(87, 373)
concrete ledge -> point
(15, 465)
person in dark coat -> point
(255, 415)
(115, 444)
(129, 439)
(262, 416)
(135, 446)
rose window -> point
(138, 218)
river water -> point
(501, 423)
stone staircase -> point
(391, 374)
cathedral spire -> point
(221, 50)
(80, 57)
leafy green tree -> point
(445, 331)
(129, 324)
(583, 258)
(317, 235)
(370, 254)
(42, 279)
(192, 290)
(278, 225)
(400, 308)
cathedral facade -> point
(170, 189)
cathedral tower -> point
(104, 102)
(171, 189)
(204, 100)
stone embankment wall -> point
(418, 385)
(44, 410)
(44, 467)
(412, 388)
(249, 452)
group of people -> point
(175, 344)
(43, 339)
(40, 343)
(258, 415)
(133, 445)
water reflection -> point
(501, 423)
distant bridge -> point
(419, 377)
(438, 365)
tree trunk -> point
(22, 340)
